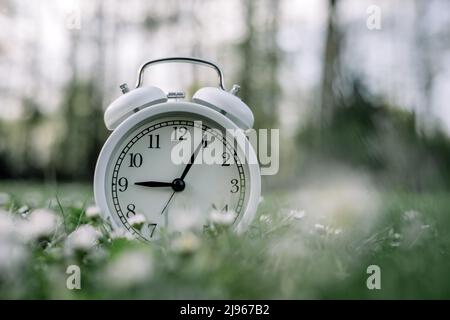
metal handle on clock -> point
(180, 59)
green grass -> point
(278, 258)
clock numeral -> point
(179, 133)
(152, 227)
(226, 157)
(123, 183)
(153, 142)
(135, 160)
(131, 210)
(234, 186)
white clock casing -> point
(148, 114)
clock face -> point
(151, 172)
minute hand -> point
(191, 161)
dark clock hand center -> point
(178, 185)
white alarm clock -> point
(136, 172)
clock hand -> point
(167, 203)
(191, 161)
(154, 184)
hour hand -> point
(154, 184)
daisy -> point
(82, 239)
(92, 212)
(130, 268)
(40, 225)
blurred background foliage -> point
(340, 92)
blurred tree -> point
(427, 65)
(260, 59)
(83, 131)
(25, 162)
(77, 151)
(330, 64)
(68, 155)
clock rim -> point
(100, 193)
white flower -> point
(137, 221)
(23, 211)
(121, 234)
(223, 218)
(264, 218)
(12, 255)
(186, 243)
(12, 251)
(327, 230)
(82, 239)
(411, 215)
(395, 238)
(7, 225)
(130, 268)
(319, 227)
(41, 224)
(297, 214)
(92, 212)
(187, 219)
